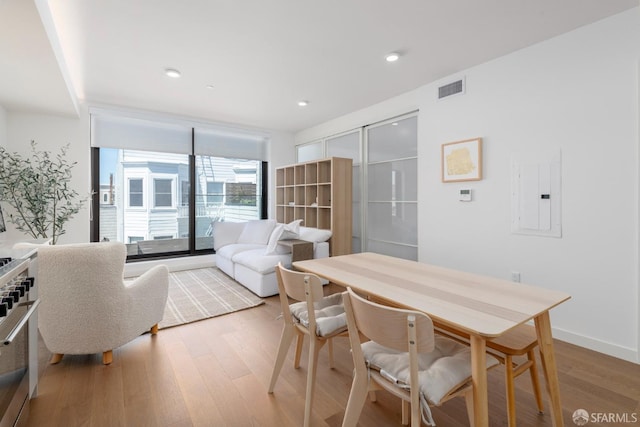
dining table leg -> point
(479, 380)
(548, 360)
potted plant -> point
(37, 188)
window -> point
(215, 195)
(162, 193)
(135, 192)
(236, 194)
(168, 179)
(242, 194)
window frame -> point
(154, 179)
(142, 192)
(262, 174)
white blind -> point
(139, 134)
(230, 144)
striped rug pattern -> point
(203, 293)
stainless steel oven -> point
(16, 309)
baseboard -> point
(174, 264)
(614, 350)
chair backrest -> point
(293, 283)
(300, 287)
(73, 278)
(388, 326)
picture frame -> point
(462, 160)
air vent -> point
(454, 88)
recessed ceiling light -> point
(303, 103)
(209, 86)
(173, 73)
(392, 57)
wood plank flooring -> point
(216, 373)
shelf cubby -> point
(324, 171)
(311, 173)
(299, 195)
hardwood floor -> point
(216, 372)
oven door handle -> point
(16, 329)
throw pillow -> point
(272, 246)
(316, 235)
(291, 230)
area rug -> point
(203, 293)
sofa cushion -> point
(226, 233)
(229, 251)
(257, 231)
(315, 235)
(256, 260)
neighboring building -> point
(148, 197)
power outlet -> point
(515, 276)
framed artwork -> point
(462, 160)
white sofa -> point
(248, 251)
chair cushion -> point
(330, 315)
(441, 371)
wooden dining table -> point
(482, 307)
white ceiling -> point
(260, 56)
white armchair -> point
(85, 305)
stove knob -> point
(20, 288)
(7, 300)
(15, 294)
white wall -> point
(3, 127)
(280, 154)
(50, 133)
(577, 93)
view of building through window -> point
(144, 198)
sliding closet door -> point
(348, 146)
(391, 225)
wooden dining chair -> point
(520, 341)
(314, 315)
(405, 358)
(510, 348)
